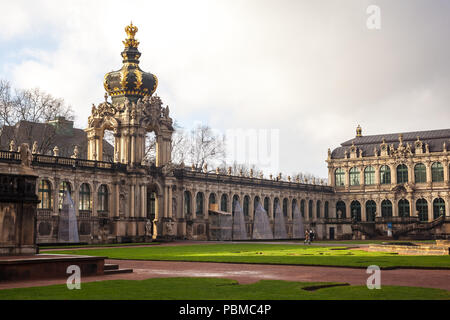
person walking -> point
(307, 240)
(311, 235)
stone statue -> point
(229, 171)
(148, 228)
(205, 168)
(35, 147)
(217, 170)
(251, 173)
(75, 152)
(12, 146)
(427, 148)
(56, 151)
(25, 155)
(375, 151)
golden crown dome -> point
(130, 81)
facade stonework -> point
(128, 199)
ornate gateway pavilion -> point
(400, 181)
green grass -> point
(268, 254)
(370, 241)
(44, 247)
(216, 289)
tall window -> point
(246, 205)
(422, 209)
(85, 198)
(385, 175)
(310, 209)
(212, 198)
(341, 209)
(325, 210)
(402, 174)
(45, 195)
(369, 175)
(199, 204)
(438, 208)
(266, 204)
(339, 177)
(403, 208)
(224, 203)
(187, 202)
(371, 210)
(318, 209)
(256, 201)
(437, 172)
(103, 198)
(233, 203)
(302, 208)
(151, 204)
(354, 176)
(293, 204)
(285, 207)
(63, 187)
(420, 173)
(276, 202)
(386, 208)
(355, 210)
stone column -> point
(430, 208)
(143, 205)
(363, 209)
(428, 167)
(94, 199)
(117, 200)
(169, 200)
(393, 174)
(55, 197)
(132, 200)
(377, 175)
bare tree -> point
(27, 107)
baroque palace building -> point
(400, 181)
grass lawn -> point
(268, 254)
(371, 241)
(43, 247)
(217, 289)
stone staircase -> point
(419, 226)
(114, 269)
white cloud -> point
(310, 69)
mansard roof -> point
(434, 138)
(59, 132)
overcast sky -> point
(311, 69)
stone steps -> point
(114, 269)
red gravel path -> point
(248, 273)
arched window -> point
(354, 176)
(199, 204)
(285, 207)
(402, 173)
(386, 208)
(45, 195)
(233, 204)
(310, 209)
(151, 204)
(341, 210)
(355, 210)
(339, 177)
(325, 210)
(422, 209)
(224, 203)
(403, 208)
(246, 205)
(369, 175)
(266, 204)
(63, 187)
(85, 198)
(371, 210)
(212, 198)
(276, 202)
(293, 204)
(385, 175)
(318, 209)
(420, 173)
(302, 208)
(438, 208)
(187, 203)
(437, 172)
(102, 198)
(256, 201)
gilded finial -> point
(358, 131)
(131, 32)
